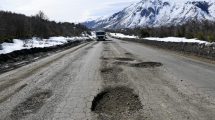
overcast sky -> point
(66, 10)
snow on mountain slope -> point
(152, 13)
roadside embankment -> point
(201, 50)
(19, 58)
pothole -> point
(121, 63)
(124, 59)
(128, 53)
(110, 70)
(139, 64)
(146, 64)
(31, 105)
(104, 58)
(114, 102)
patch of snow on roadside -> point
(10, 47)
(93, 35)
(36, 43)
(120, 35)
(176, 39)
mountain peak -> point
(153, 13)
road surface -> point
(110, 80)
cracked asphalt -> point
(137, 82)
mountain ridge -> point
(155, 13)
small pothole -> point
(124, 59)
(104, 58)
(127, 53)
(110, 70)
(31, 105)
(106, 50)
(121, 63)
(116, 101)
(146, 64)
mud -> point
(116, 103)
(31, 105)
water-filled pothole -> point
(116, 101)
(31, 105)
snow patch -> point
(37, 43)
(120, 35)
(176, 39)
(166, 39)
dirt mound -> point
(31, 105)
(116, 103)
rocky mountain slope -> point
(153, 13)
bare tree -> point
(41, 15)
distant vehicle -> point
(100, 35)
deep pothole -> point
(116, 101)
(31, 105)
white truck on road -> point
(100, 35)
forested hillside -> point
(202, 30)
(14, 25)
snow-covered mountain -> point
(154, 13)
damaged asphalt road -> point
(110, 80)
